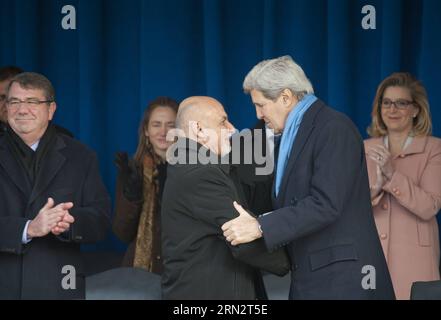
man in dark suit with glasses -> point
(52, 198)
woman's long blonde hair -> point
(422, 123)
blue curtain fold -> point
(125, 53)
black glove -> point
(130, 175)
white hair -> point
(273, 76)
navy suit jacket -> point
(323, 213)
(69, 172)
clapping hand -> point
(382, 157)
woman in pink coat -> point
(404, 165)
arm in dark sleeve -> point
(257, 189)
(11, 232)
(126, 220)
(260, 198)
(338, 161)
(257, 255)
(92, 215)
(213, 204)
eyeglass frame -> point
(29, 103)
(404, 107)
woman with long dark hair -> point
(139, 187)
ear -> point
(416, 111)
(52, 109)
(201, 134)
(193, 129)
(287, 98)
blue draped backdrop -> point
(124, 53)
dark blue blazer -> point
(323, 213)
(69, 172)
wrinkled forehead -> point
(217, 112)
(17, 91)
(257, 97)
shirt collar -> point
(414, 145)
(35, 145)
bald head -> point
(204, 120)
(197, 109)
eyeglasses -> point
(30, 103)
(400, 104)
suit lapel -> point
(51, 165)
(303, 134)
(13, 168)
